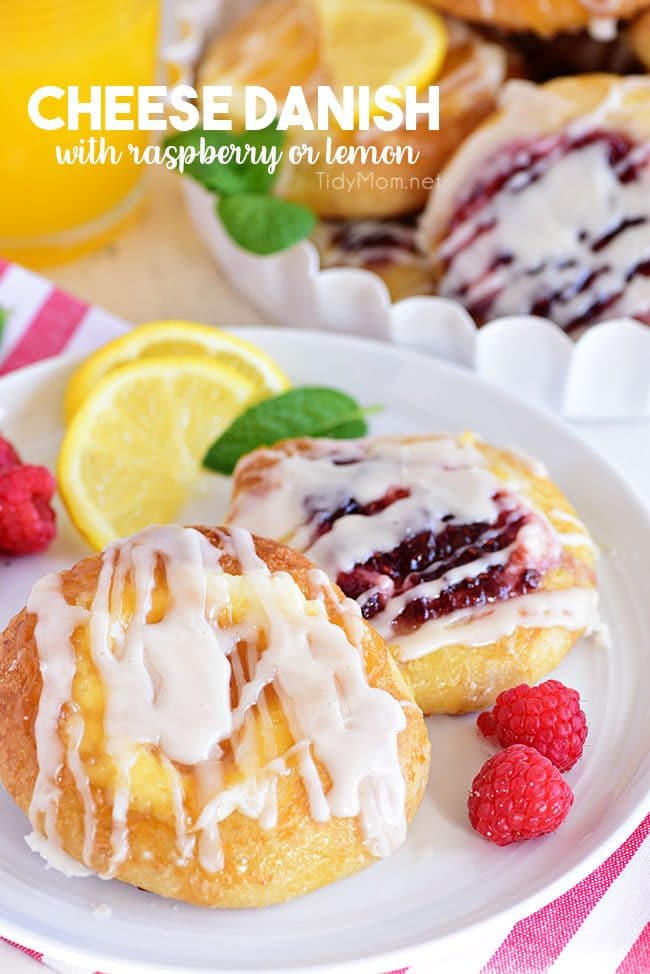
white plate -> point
(445, 879)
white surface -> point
(603, 375)
(445, 879)
(13, 961)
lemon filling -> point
(185, 694)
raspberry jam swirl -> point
(389, 248)
(364, 243)
(557, 227)
(421, 533)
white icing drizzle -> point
(603, 29)
(441, 473)
(184, 843)
(477, 75)
(55, 857)
(579, 192)
(534, 465)
(445, 476)
(82, 783)
(574, 539)
(573, 609)
(527, 111)
(547, 227)
(148, 663)
(121, 801)
(53, 632)
(166, 681)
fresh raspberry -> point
(27, 522)
(547, 717)
(518, 794)
(8, 456)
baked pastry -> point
(467, 557)
(470, 80)
(545, 210)
(638, 38)
(389, 248)
(202, 714)
(545, 17)
(471, 77)
(582, 53)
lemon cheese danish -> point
(466, 557)
(204, 715)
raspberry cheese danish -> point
(204, 715)
(466, 557)
(546, 209)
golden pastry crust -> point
(458, 678)
(470, 79)
(540, 16)
(387, 248)
(262, 867)
(638, 38)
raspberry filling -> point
(431, 555)
(378, 245)
(557, 227)
(377, 241)
(325, 522)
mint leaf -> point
(231, 177)
(4, 315)
(255, 220)
(264, 224)
(306, 411)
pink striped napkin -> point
(601, 925)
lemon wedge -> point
(382, 42)
(133, 449)
(176, 338)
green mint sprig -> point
(264, 224)
(257, 221)
(306, 411)
(232, 177)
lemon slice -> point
(176, 338)
(134, 447)
(382, 42)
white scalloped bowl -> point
(604, 375)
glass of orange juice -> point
(49, 210)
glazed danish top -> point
(546, 210)
(185, 677)
(440, 539)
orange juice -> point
(49, 210)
